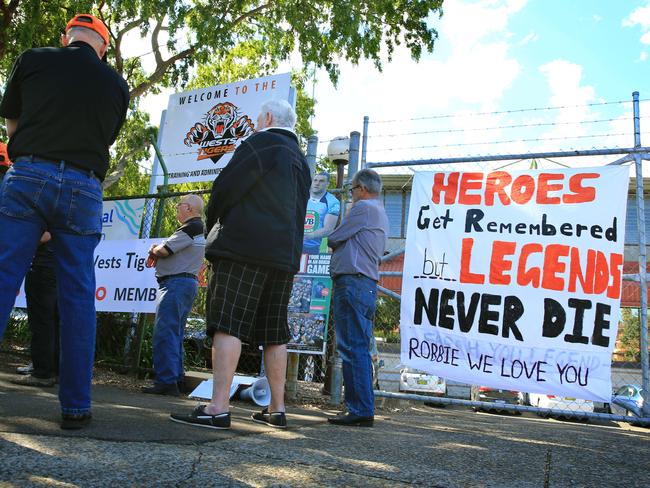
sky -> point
(493, 60)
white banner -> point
(203, 127)
(123, 283)
(121, 219)
(512, 280)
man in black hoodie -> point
(255, 220)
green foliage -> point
(387, 318)
(221, 42)
(630, 334)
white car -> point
(560, 403)
(416, 381)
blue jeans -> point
(354, 300)
(175, 298)
(38, 196)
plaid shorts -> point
(249, 302)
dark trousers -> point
(43, 318)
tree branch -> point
(117, 173)
(160, 72)
(154, 42)
(119, 60)
(252, 13)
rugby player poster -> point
(512, 279)
(203, 127)
(309, 306)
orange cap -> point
(89, 22)
(4, 156)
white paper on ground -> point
(204, 390)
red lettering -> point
(544, 187)
(495, 185)
(470, 181)
(523, 189)
(533, 275)
(450, 189)
(466, 276)
(575, 271)
(553, 266)
(499, 265)
(580, 193)
(616, 270)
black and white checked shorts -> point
(249, 302)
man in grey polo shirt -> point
(359, 243)
(178, 260)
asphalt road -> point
(131, 442)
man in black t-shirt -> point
(63, 108)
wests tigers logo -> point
(222, 127)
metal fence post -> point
(643, 295)
(364, 141)
(353, 165)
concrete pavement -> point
(131, 442)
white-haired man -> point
(63, 107)
(259, 201)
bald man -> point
(178, 260)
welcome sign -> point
(513, 280)
(203, 127)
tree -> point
(629, 335)
(200, 32)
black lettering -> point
(413, 346)
(484, 327)
(600, 324)
(472, 219)
(466, 319)
(513, 309)
(580, 306)
(610, 232)
(423, 223)
(446, 310)
(554, 318)
(430, 307)
(547, 229)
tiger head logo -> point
(218, 133)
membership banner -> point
(121, 219)
(203, 127)
(513, 280)
(122, 281)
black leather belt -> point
(177, 275)
(32, 158)
(356, 275)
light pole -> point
(338, 151)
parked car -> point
(628, 400)
(576, 405)
(415, 381)
(496, 396)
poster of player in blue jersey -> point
(323, 210)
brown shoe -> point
(31, 380)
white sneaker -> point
(27, 369)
